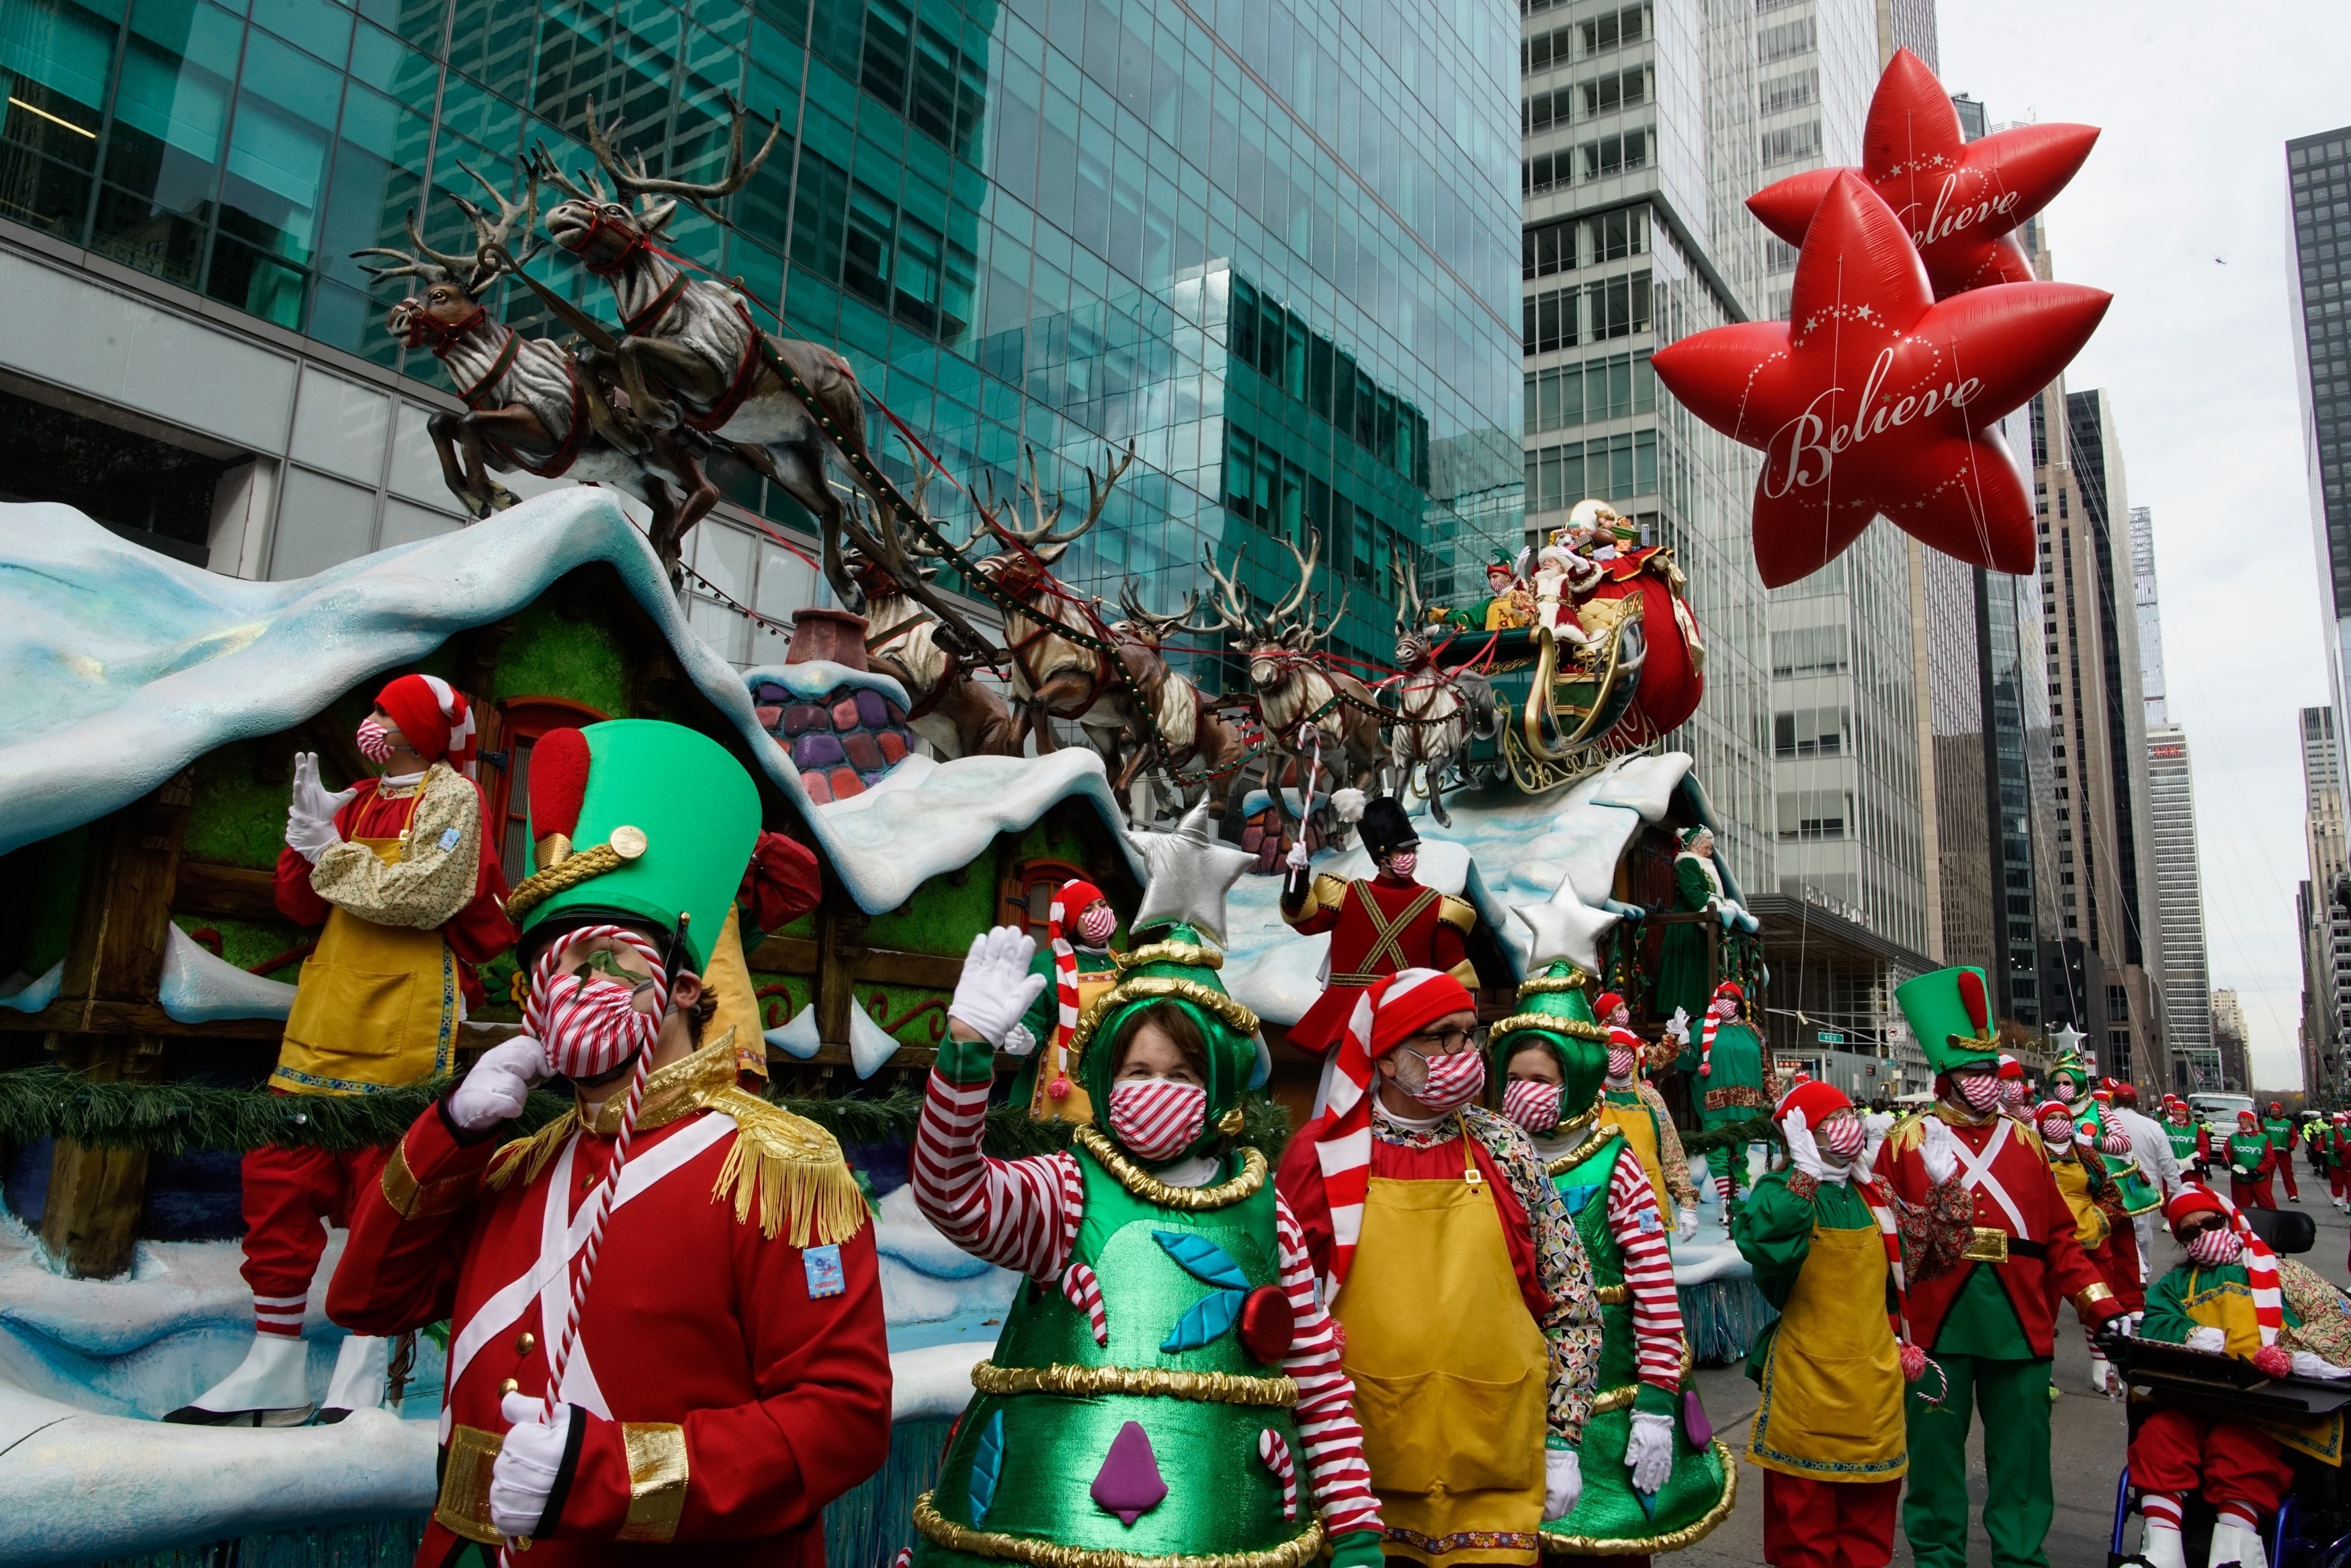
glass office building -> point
(1266, 243)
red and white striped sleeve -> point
(1327, 1428)
(1640, 1233)
(1017, 1214)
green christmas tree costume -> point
(1611, 1519)
(1075, 1454)
(2139, 1193)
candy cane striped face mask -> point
(1531, 1103)
(1157, 1118)
(373, 741)
(585, 1015)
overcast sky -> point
(2181, 212)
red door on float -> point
(521, 721)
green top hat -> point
(635, 820)
(1555, 1012)
(1178, 969)
(1950, 1012)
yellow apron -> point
(376, 1007)
(2090, 1225)
(1452, 1375)
(1638, 1124)
(1831, 1406)
(1052, 1059)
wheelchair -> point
(2312, 1527)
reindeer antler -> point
(1408, 601)
(629, 179)
(1289, 606)
(1236, 608)
(1157, 625)
(437, 267)
(491, 233)
(543, 164)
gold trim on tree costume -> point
(1574, 1028)
(1297, 1551)
(1211, 1387)
(656, 1451)
(1151, 1189)
(1188, 953)
(1622, 1399)
(1673, 1540)
(1142, 987)
(1590, 1145)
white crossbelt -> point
(1978, 1174)
(561, 1236)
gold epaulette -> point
(1458, 912)
(1321, 892)
(529, 1155)
(794, 1169)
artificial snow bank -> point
(122, 666)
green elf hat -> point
(1505, 560)
(1555, 1012)
(1177, 969)
(634, 822)
(1950, 1012)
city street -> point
(2086, 1434)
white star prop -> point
(1189, 873)
(2068, 1041)
(1566, 927)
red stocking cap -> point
(1605, 1003)
(558, 782)
(1072, 899)
(1816, 1100)
(434, 718)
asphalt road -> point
(2086, 1434)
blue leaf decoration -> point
(1208, 1318)
(1202, 1259)
(987, 1460)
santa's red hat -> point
(434, 718)
(2192, 1200)
(1605, 1003)
(2010, 1068)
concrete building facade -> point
(2318, 284)
(2324, 906)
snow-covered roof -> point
(122, 666)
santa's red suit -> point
(732, 1375)
(1377, 927)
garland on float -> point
(172, 1118)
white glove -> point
(1019, 1041)
(1297, 859)
(996, 987)
(1649, 1451)
(1805, 1150)
(1563, 1482)
(494, 1091)
(523, 1477)
(2209, 1339)
(1678, 1027)
(310, 811)
(1939, 1152)
(1865, 1169)
(2305, 1365)
(1686, 1222)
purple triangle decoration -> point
(1128, 1484)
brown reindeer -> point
(1187, 734)
(1295, 690)
(1052, 675)
(1448, 707)
(531, 406)
(959, 714)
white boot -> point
(270, 1388)
(2159, 1545)
(2232, 1542)
(2102, 1376)
(359, 1380)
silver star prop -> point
(2068, 1041)
(1566, 927)
(1188, 874)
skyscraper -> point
(2229, 1042)
(2324, 906)
(2150, 623)
(2178, 907)
(2318, 180)
(1638, 146)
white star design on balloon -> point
(1188, 872)
(1566, 927)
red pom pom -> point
(1913, 1364)
(1269, 1322)
(1058, 1090)
(1706, 1070)
(558, 782)
(2272, 1361)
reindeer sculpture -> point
(1054, 676)
(1295, 691)
(1439, 710)
(694, 356)
(531, 406)
(953, 709)
(1187, 732)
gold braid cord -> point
(1294, 1553)
(1211, 1387)
(1650, 1545)
(1545, 984)
(1146, 988)
(540, 886)
(1552, 1023)
(1186, 953)
(1151, 1189)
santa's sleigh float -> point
(1565, 710)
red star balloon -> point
(1875, 398)
(1959, 200)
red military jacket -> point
(732, 1375)
(1377, 927)
(2045, 1254)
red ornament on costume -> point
(1873, 398)
(1960, 200)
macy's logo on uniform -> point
(1801, 452)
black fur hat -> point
(1384, 827)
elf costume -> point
(1460, 1281)
(1076, 972)
(2251, 1159)
(1377, 926)
(1638, 1111)
(394, 871)
(1828, 1431)
(2070, 1082)
(2100, 1223)
(2282, 1133)
(1615, 1202)
(2187, 1137)
(2338, 1158)
(729, 1375)
(1682, 974)
(2001, 1247)
(1167, 1386)
(1733, 1080)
